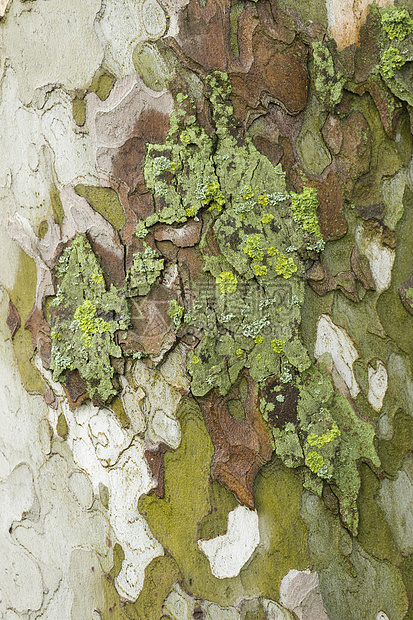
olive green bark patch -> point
(150, 65)
(374, 533)
(392, 452)
(370, 585)
(102, 84)
(105, 201)
(192, 508)
(397, 322)
(119, 411)
(58, 211)
(62, 428)
(79, 111)
(160, 575)
(23, 296)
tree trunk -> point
(206, 285)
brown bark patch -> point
(242, 447)
(13, 320)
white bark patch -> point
(52, 43)
(108, 436)
(336, 341)
(300, 592)
(380, 257)
(227, 554)
(378, 381)
(3, 7)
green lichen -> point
(253, 247)
(232, 181)
(85, 317)
(277, 345)
(329, 440)
(256, 326)
(285, 266)
(88, 323)
(328, 81)
(391, 62)
(319, 440)
(145, 270)
(175, 312)
(314, 461)
(304, 210)
(396, 23)
(227, 282)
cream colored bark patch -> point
(380, 256)
(52, 42)
(378, 381)
(227, 554)
(336, 341)
(300, 592)
(3, 7)
(346, 17)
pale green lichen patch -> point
(329, 439)
(227, 282)
(251, 317)
(252, 224)
(144, 271)
(85, 317)
(328, 81)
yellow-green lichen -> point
(314, 461)
(318, 441)
(304, 210)
(285, 266)
(391, 62)
(267, 217)
(396, 22)
(253, 247)
(227, 282)
(175, 312)
(277, 345)
(87, 321)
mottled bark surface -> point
(206, 298)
